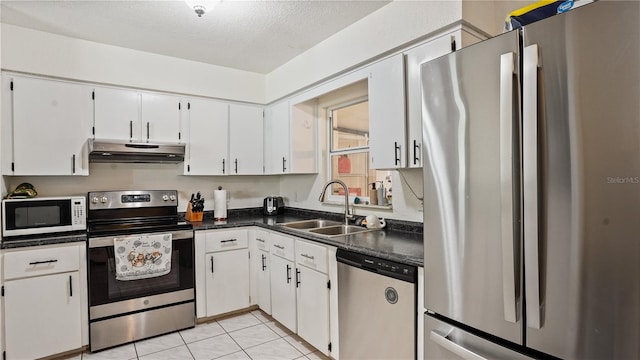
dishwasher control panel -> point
(382, 266)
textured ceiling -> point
(255, 36)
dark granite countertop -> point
(21, 242)
(400, 241)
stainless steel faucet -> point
(347, 216)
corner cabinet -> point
(45, 126)
(45, 301)
(222, 271)
(246, 133)
(387, 113)
(206, 128)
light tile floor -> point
(252, 335)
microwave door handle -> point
(530, 185)
(507, 68)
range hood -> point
(112, 151)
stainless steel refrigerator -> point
(532, 191)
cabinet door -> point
(42, 316)
(313, 307)
(277, 139)
(283, 292)
(116, 114)
(227, 281)
(304, 142)
(263, 281)
(414, 59)
(246, 139)
(207, 149)
(160, 116)
(387, 113)
(50, 127)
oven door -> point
(109, 296)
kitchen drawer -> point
(41, 261)
(311, 255)
(262, 240)
(223, 240)
(282, 246)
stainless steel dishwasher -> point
(376, 308)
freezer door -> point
(581, 138)
(471, 186)
(447, 342)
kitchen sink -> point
(328, 228)
(337, 230)
(310, 224)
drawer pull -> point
(261, 240)
(310, 257)
(230, 240)
(279, 246)
(43, 262)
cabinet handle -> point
(70, 286)
(73, 164)
(396, 151)
(130, 129)
(415, 153)
(229, 240)
(284, 167)
(279, 246)
(264, 265)
(310, 257)
(261, 240)
(297, 277)
(212, 264)
(288, 274)
(236, 162)
(147, 131)
(43, 262)
(222, 166)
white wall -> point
(244, 191)
(44, 53)
(391, 26)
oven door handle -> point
(106, 241)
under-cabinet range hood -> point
(111, 151)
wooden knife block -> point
(193, 216)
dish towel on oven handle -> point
(142, 257)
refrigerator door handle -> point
(507, 66)
(530, 184)
(459, 350)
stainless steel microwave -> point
(43, 215)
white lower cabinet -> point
(222, 271)
(261, 270)
(313, 308)
(283, 291)
(45, 305)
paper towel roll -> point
(220, 204)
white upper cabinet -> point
(387, 113)
(304, 142)
(277, 145)
(45, 127)
(246, 152)
(129, 115)
(116, 114)
(206, 130)
(160, 118)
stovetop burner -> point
(133, 212)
